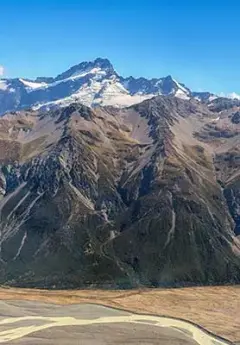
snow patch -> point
(180, 87)
(3, 85)
(212, 98)
(232, 95)
(80, 74)
(33, 85)
(181, 94)
(97, 73)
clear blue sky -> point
(197, 42)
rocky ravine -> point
(146, 195)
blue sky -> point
(197, 42)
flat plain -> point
(216, 309)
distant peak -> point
(102, 63)
(169, 77)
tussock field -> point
(217, 309)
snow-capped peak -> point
(91, 83)
(3, 85)
(87, 66)
(232, 95)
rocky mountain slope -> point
(91, 83)
(145, 195)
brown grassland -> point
(217, 309)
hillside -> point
(142, 196)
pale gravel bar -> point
(33, 323)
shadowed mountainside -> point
(146, 195)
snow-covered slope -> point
(232, 95)
(91, 83)
(30, 85)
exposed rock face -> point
(139, 196)
(236, 118)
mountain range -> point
(147, 195)
(91, 83)
(94, 193)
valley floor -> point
(31, 322)
(216, 309)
